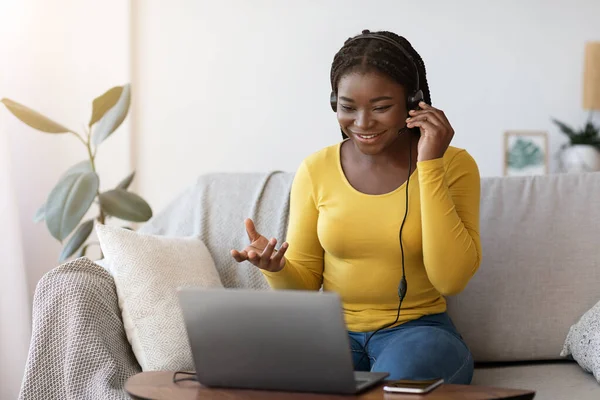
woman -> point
(394, 175)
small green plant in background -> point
(79, 187)
(588, 135)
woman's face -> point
(371, 110)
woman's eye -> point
(382, 108)
(379, 109)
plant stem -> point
(79, 137)
(92, 156)
(88, 145)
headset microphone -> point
(402, 130)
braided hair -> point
(373, 54)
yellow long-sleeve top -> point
(348, 241)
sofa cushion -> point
(551, 381)
(540, 268)
(214, 209)
(147, 270)
(583, 341)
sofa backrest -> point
(540, 238)
(214, 209)
(540, 268)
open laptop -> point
(271, 340)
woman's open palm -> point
(261, 251)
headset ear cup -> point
(333, 101)
(413, 101)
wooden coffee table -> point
(158, 385)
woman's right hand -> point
(261, 252)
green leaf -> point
(33, 118)
(83, 250)
(113, 117)
(125, 205)
(82, 166)
(124, 184)
(68, 202)
(40, 214)
(564, 128)
(590, 130)
(102, 104)
(75, 242)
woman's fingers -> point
(278, 257)
(239, 256)
(269, 259)
(426, 108)
(254, 258)
(265, 257)
(251, 230)
(422, 124)
(426, 116)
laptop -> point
(283, 340)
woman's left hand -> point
(436, 131)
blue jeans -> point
(425, 348)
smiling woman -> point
(373, 121)
(350, 229)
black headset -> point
(413, 99)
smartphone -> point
(412, 386)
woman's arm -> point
(450, 221)
(304, 258)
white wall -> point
(56, 57)
(15, 315)
(235, 85)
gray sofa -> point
(539, 274)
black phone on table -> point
(412, 386)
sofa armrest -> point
(78, 345)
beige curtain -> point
(15, 314)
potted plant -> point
(79, 187)
(582, 152)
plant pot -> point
(580, 158)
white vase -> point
(581, 158)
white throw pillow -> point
(583, 341)
(147, 270)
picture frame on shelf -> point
(525, 153)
